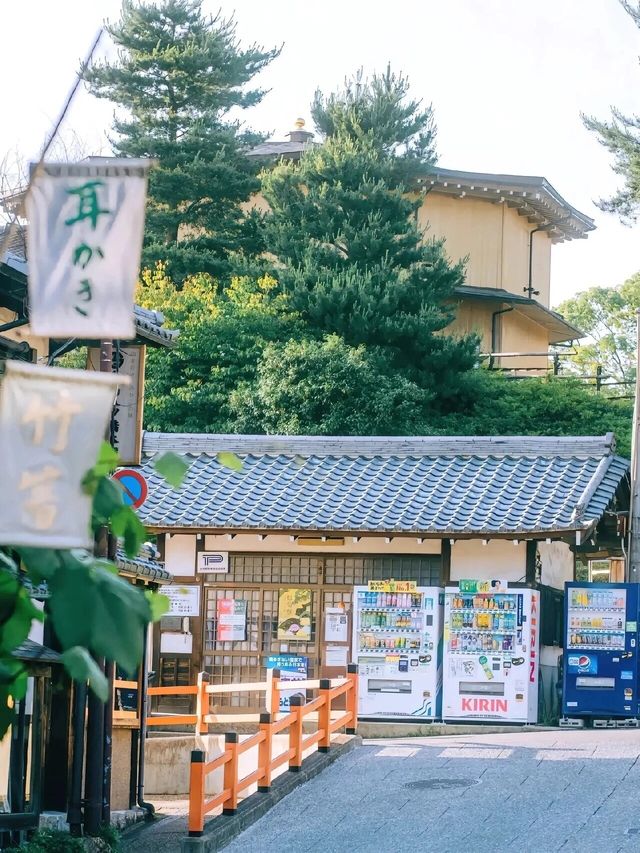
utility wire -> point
(8, 237)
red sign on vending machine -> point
(533, 638)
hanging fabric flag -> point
(84, 239)
(52, 422)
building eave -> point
(533, 197)
(559, 329)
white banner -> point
(52, 422)
(86, 222)
(127, 417)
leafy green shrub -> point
(52, 841)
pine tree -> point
(621, 137)
(343, 230)
(177, 76)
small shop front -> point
(271, 605)
(274, 565)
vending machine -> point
(397, 629)
(491, 639)
(601, 650)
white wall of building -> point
(499, 558)
(180, 554)
(280, 544)
(557, 563)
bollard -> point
(295, 733)
(273, 692)
(352, 698)
(202, 704)
(324, 716)
(196, 793)
(264, 752)
(231, 773)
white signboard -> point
(183, 600)
(86, 222)
(336, 656)
(213, 562)
(176, 643)
(52, 422)
(127, 416)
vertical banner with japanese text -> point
(127, 414)
(52, 422)
(86, 223)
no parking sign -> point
(134, 487)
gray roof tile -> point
(421, 485)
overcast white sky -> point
(507, 78)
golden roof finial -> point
(299, 123)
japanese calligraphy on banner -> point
(52, 422)
(86, 222)
(127, 416)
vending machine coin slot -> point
(481, 688)
(380, 685)
(587, 682)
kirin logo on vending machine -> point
(494, 706)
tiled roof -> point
(559, 329)
(30, 651)
(532, 196)
(439, 485)
(149, 324)
(142, 566)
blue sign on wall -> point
(292, 668)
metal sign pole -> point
(633, 568)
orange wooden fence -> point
(270, 725)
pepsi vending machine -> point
(601, 650)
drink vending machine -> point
(397, 629)
(600, 676)
(491, 639)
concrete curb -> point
(370, 730)
(224, 828)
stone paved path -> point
(569, 791)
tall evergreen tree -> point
(621, 137)
(343, 229)
(177, 76)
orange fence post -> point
(324, 716)
(231, 773)
(196, 793)
(273, 692)
(264, 752)
(296, 703)
(202, 704)
(352, 698)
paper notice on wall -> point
(336, 656)
(336, 625)
(232, 620)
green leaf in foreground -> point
(82, 667)
(158, 604)
(126, 525)
(172, 467)
(229, 460)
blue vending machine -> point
(601, 650)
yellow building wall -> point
(493, 237)
(520, 334)
(23, 333)
(471, 227)
(473, 317)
